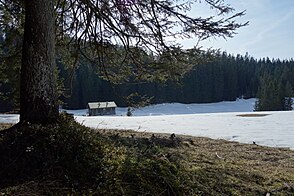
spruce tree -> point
(288, 101)
(272, 96)
(98, 26)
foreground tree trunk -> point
(38, 100)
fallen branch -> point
(219, 156)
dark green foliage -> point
(288, 93)
(81, 160)
(273, 95)
(269, 95)
(11, 32)
(126, 41)
(65, 151)
(222, 77)
(10, 55)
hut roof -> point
(96, 105)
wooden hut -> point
(101, 108)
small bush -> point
(82, 161)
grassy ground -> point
(4, 126)
(220, 166)
(180, 165)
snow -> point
(9, 118)
(215, 120)
(241, 105)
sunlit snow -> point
(215, 120)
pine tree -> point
(38, 90)
(272, 96)
(139, 27)
(263, 94)
(288, 101)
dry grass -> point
(240, 168)
(5, 126)
(218, 167)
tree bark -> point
(38, 99)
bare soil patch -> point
(253, 115)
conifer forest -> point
(223, 77)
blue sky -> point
(270, 32)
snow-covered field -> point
(241, 105)
(215, 120)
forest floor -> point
(209, 166)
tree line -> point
(94, 30)
(223, 77)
